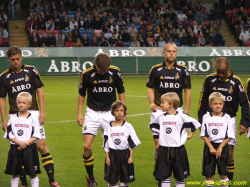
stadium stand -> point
(188, 17)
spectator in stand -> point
(210, 39)
(61, 8)
(108, 34)
(201, 16)
(75, 34)
(51, 40)
(132, 30)
(125, 36)
(192, 40)
(89, 25)
(151, 20)
(35, 42)
(44, 40)
(57, 24)
(104, 42)
(244, 36)
(201, 40)
(60, 41)
(119, 43)
(31, 26)
(180, 30)
(12, 8)
(69, 43)
(184, 41)
(190, 16)
(136, 19)
(97, 23)
(219, 12)
(94, 42)
(174, 35)
(219, 38)
(135, 42)
(5, 43)
(143, 42)
(228, 6)
(161, 42)
(182, 16)
(112, 40)
(41, 23)
(4, 16)
(50, 24)
(81, 23)
(150, 32)
(73, 23)
(85, 40)
(128, 20)
(79, 43)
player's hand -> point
(153, 107)
(213, 151)
(190, 135)
(42, 117)
(80, 119)
(242, 129)
(130, 160)
(19, 148)
(218, 152)
(108, 161)
(4, 125)
(22, 144)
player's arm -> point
(203, 102)
(22, 144)
(219, 150)
(151, 99)
(80, 119)
(187, 93)
(210, 146)
(3, 113)
(245, 110)
(107, 158)
(40, 95)
(130, 159)
(121, 97)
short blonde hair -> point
(216, 95)
(171, 98)
(25, 94)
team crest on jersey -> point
(20, 132)
(177, 76)
(161, 77)
(230, 90)
(214, 88)
(168, 130)
(85, 128)
(117, 141)
(11, 82)
(215, 131)
(27, 78)
(95, 82)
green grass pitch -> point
(64, 136)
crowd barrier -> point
(69, 61)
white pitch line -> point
(134, 115)
(77, 94)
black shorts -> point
(27, 158)
(172, 159)
(210, 161)
(119, 169)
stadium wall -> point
(69, 61)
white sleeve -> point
(105, 140)
(36, 125)
(230, 130)
(134, 141)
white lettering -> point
(229, 98)
(2, 53)
(227, 53)
(75, 66)
(142, 53)
(64, 66)
(238, 53)
(169, 85)
(126, 53)
(53, 66)
(84, 66)
(248, 52)
(207, 66)
(113, 53)
(214, 53)
(192, 66)
(102, 89)
(21, 88)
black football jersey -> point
(101, 89)
(27, 80)
(164, 80)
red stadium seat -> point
(247, 44)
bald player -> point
(228, 84)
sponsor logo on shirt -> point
(216, 124)
(117, 134)
(169, 123)
(22, 125)
(169, 85)
(102, 89)
(21, 87)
